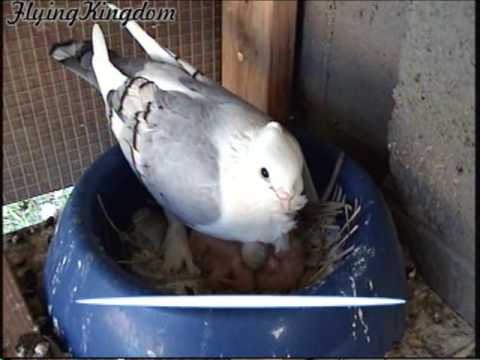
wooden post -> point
(258, 47)
(16, 316)
(258, 41)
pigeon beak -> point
(284, 198)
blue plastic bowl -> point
(80, 265)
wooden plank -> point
(17, 319)
(258, 47)
(258, 41)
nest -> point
(322, 231)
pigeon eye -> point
(264, 173)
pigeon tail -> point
(77, 57)
(108, 76)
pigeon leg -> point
(176, 249)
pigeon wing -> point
(166, 136)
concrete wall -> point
(432, 142)
(347, 70)
(392, 83)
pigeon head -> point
(277, 166)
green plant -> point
(32, 211)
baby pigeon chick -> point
(254, 254)
(282, 270)
(232, 266)
(222, 262)
(149, 226)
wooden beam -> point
(258, 47)
(258, 41)
(17, 319)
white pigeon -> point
(214, 162)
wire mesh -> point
(54, 123)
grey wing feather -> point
(171, 148)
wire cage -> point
(54, 122)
